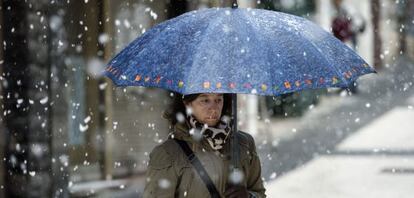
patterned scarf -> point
(216, 136)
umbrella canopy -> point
(226, 50)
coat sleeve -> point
(254, 180)
(161, 177)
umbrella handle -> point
(234, 144)
(235, 167)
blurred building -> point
(64, 125)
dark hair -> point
(177, 106)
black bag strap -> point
(199, 167)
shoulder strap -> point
(199, 167)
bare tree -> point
(376, 14)
(403, 22)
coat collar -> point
(181, 131)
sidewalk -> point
(376, 161)
(358, 146)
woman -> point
(206, 129)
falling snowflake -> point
(103, 38)
(236, 176)
(273, 175)
(164, 183)
(102, 86)
(87, 119)
(180, 117)
(44, 100)
(83, 128)
(32, 173)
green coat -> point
(170, 174)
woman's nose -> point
(214, 106)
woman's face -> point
(206, 108)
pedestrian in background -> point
(346, 26)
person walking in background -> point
(346, 26)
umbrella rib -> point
(250, 24)
(211, 23)
(336, 69)
(160, 27)
(171, 23)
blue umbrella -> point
(228, 50)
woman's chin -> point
(211, 123)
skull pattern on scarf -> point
(215, 136)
